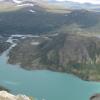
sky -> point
(84, 1)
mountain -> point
(13, 5)
(39, 20)
(87, 6)
(66, 4)
(50, 36)
(70, 53)
(23, 21)
(66, 42)
(50, 5)
(76, 5)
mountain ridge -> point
(66, 42)
(48, 3)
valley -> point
(53, 53)
(59, 42)
(48, 50)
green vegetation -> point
(73, 49)
(69, 53)
(42, 22)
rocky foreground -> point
(7, 96)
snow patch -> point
(17, 1)
(35, 43)
(27, 4)
(32, 11)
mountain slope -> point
(69, 53)
(65, 42)
(36, 20)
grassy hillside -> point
(71, 44)
(42, 22)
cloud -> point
(84, 1)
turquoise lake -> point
(45, 84)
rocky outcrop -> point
(95, 97)
(3, 88)
(7, 96)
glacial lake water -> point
(45, 84)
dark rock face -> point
(3, 88)
(95, 97)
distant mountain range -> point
(66, 4)
(76, 5)
(67, 36)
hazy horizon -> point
(83, 1)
